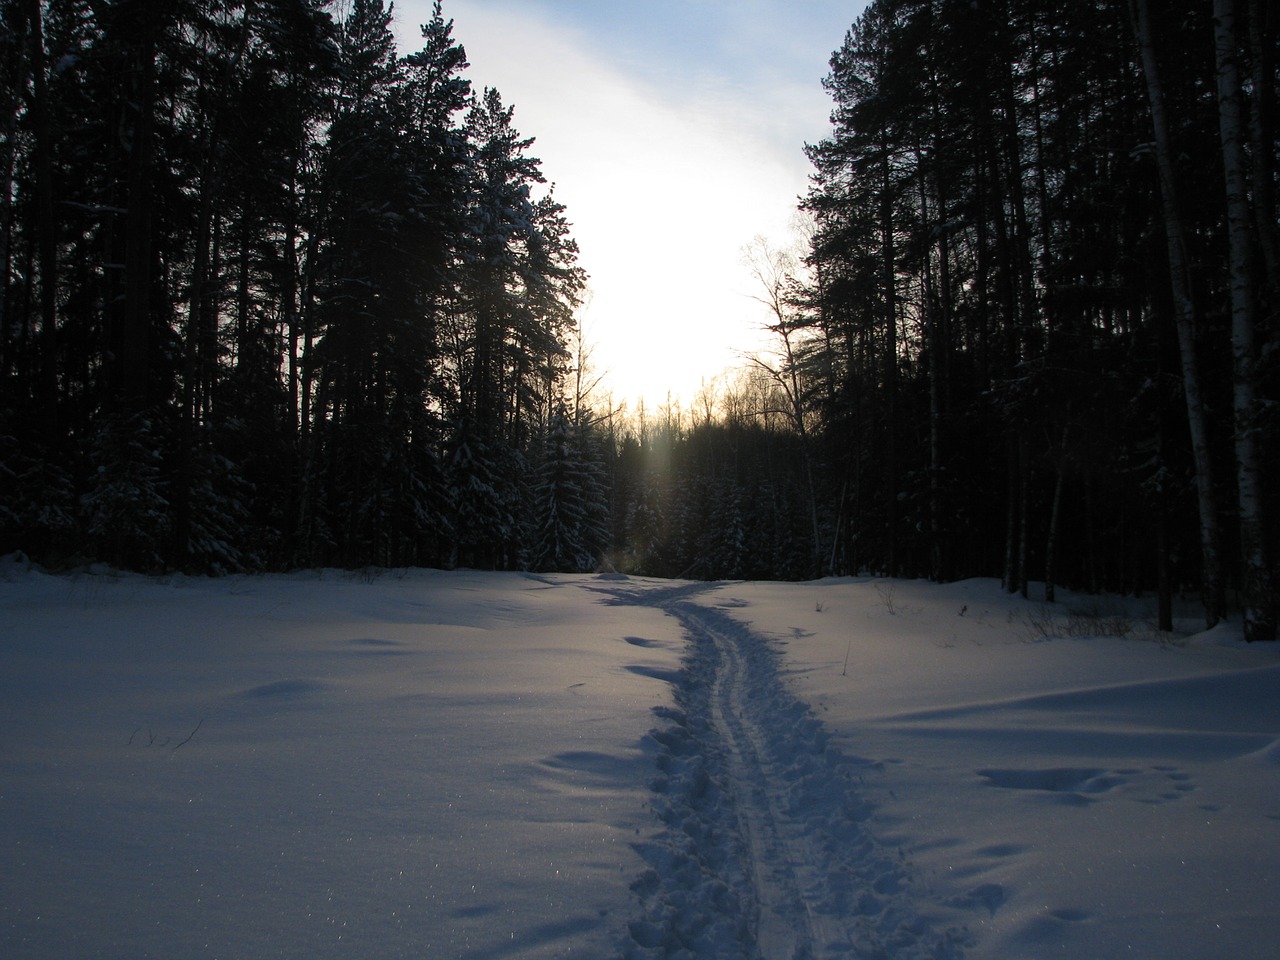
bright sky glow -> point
(674, 132)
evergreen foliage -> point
(569, 521)
(270, 294)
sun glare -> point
(663, 193)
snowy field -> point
(467, 765)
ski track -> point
(765, 851)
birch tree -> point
(1185, 316)
(1256, 573)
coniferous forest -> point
(273, 295)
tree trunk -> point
(1261, 135)
(1256, 580)
(1213, 594)
(1020, 260)
(193, 374)
(1024, 514)
(888, 265)
(136, 338)
(46, 223)
(931, 310)
(1164, 579)
(1012, 574)
(1055, 521)
(8, 158)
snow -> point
(1085, 796)
(481, 765)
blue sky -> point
(674, 132)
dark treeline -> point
(275, 296)
(1039, 338)
(716, 492)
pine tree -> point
(222, 342)
(394, 168)
(568, 530)
(484, 483)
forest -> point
(273, 295)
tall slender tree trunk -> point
(1261, 137)
(193, 374)
(1012, 573)
(46, 223)
(934, 357)
(1020, 260)
(8, 159)
(888, 265)
(1055, 519)
(796, 398)
(1164, 575)
(934, 313)
(290, 307)
(1044, 213)
(1024, 514)
(136, 339)
(1213, 594)
(1256, 574)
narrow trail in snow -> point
(765, 852)
(785, 925)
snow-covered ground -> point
(465, 765)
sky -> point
(674, 133)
